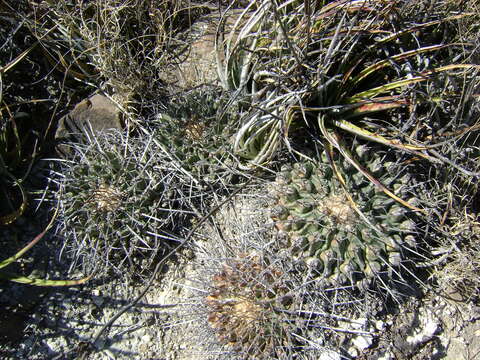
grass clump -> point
(125, 47)
(385, 72)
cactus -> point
(340, 240)
(120, 199)
(242, 307)
(196, 129)
(256, 300)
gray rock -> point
(89, 117)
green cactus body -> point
(200, 145)
(197, 132)
(119, 200)
(322, 228)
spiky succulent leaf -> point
(344, 60)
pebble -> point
(428, 328)
(362, 342)
(386, 356)
(146, 338)
(98, 300)
(353, 352)
(330, 355)
(380, 325)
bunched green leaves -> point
(388, 72)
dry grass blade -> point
(19, 58)
(335, 141)
(5, 275)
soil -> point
(170, 321)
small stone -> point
(100, 344)
(330, 355)
(386, 356)
(427, 329)
(146, 338)
(363, 342)
(98, 300)
(353, 352)
(380, 325)
(95, 114)
(358, 324)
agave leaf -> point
(335, 140)
(402, 56)
(33, 281)
(19, 254)
(371, 93)
(233, 52)
(265, 131)
(368, 135)
(41, 282)
(271, 144)
(418, 27)
(30, 244)
(10, 218)
(379, 104)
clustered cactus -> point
(257, 301)
(340, 239)
(120, 199)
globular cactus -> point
(248, 299)
(120, 199)
(339, 240)
(243, 308)
(196, 129)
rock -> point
(380, 325)
(330, 355)
(90, 116)
(362, 342)
(429, 326)
(353, 351)
(199, 65)
(386, 356)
